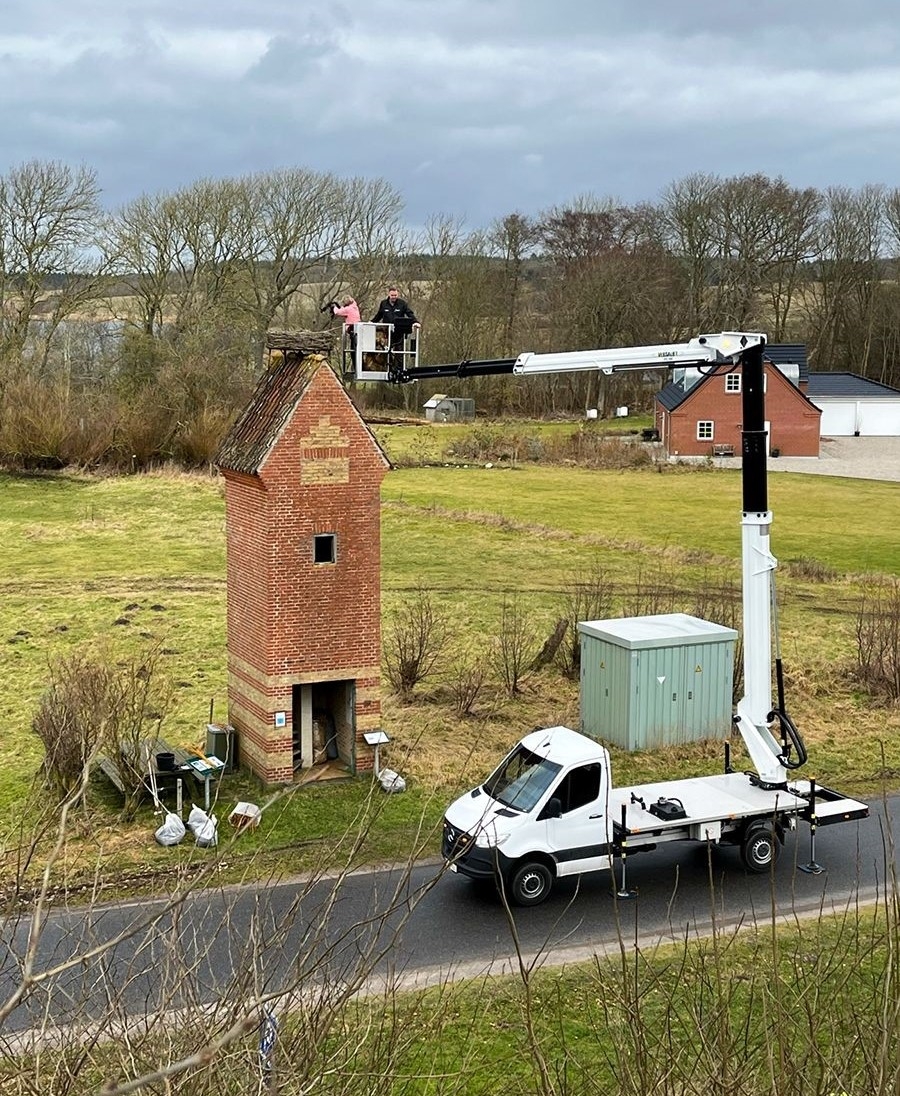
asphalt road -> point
(417, 926)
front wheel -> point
(530, 883)
(759, 850)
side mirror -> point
(553, 809)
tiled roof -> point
(778, 354)
(789, 354)
(847, 384)
(672, 395)
(278, 392)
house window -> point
(324, 548)
(704, 430)
(732, 382)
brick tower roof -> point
(292, 366)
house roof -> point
(848, 385)
(297, 356)
(672, 395)
(789, 354)
(777, 354)
(247, 443)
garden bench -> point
(724, 450)
(166, 779)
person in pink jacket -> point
(349, 313)
(349, 310)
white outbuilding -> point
(441, 408)
(853, 406)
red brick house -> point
(302, 498)
(699, 413)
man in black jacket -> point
(393, 309)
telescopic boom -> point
(756, 713)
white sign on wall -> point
(280, 719)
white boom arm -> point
(758, 563)
(755, 710)
(717, 349)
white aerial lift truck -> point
(550, 809)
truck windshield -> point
(521, 780)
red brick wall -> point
(290, 620)
(324, 476)
(246, 540)
(794, 421)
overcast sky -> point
(473, 108)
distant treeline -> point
(132, 337)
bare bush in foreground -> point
(590, 596)
(516, 637)
(878, 640)
(415, 637)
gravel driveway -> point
(857, 458)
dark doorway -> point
(324, 725)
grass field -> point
(118, 562)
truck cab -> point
(541, 814)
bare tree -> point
(71, 720)
(148, 246)
(516, 637)
(416, 634)
(689, 214)
(512, 238)
(49, 222)
(466, 680)
(841, 303)
(878, 640)
(590, 595)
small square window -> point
(732, 382)
(324, 548)
(704, 430)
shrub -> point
(94, 704)
(514, 650)
(36, 426)
(486, 443)
(415, 637)
(878, 640)
(466, 681)
(71, 719)
(591, 596)
(813, 570)
(593, 449)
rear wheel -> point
(530, 883)
(759, 850)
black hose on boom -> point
(790, 736)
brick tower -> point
(302, 476)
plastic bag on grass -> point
(204, 827)
(171, 831)
(391, 782)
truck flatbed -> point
(725, 798)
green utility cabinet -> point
(656, 680)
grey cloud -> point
(469, 107)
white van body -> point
(549, 810)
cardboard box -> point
(245, 816)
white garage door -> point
(871, 418)
(879, 420)
(838, 419)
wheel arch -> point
(773, 823)
(531, 858)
